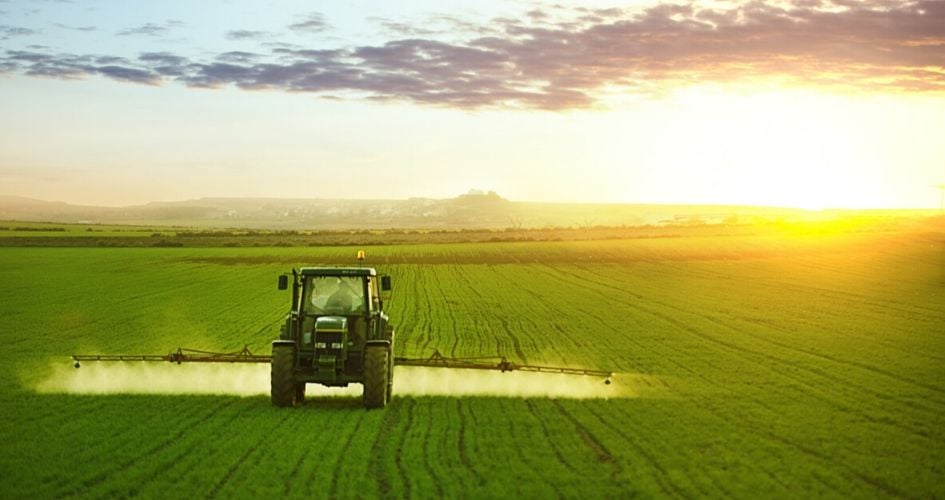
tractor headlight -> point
(321, 345)
(336, 345)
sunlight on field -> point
(253, 380)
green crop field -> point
(775, 365)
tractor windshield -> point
(341, 295)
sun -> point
(784, 148)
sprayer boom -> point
(179, 356)
(437, 360)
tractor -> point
(336, 333)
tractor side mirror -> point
(385, 284)
(283, 282)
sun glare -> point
(780, 148)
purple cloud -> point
(560, 58)
(313, 22)
(151, 29)
(7, 31)
(245, 35)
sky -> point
(801, 103)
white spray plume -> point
(253, 380)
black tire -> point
(376, 370)
(299, 393)
(282, 386)
(390, 367)
(390, 380)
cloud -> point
(151, 29)
(164, 64)
(402, 29)
(312, 22)
(238, 56)
(128, 74)
(76, 28)
(432, 26)
(7, 31)
(561, 58)
(245, 34)
(68, 66)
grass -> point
(783, 365)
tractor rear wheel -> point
(376, 371)
(282, 386)
(299, 392)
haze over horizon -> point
(803, 103)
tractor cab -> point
(341, 303)
(339, 295)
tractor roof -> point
(338, 271)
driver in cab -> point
(335, 296)
(343, 299)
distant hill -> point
(478, 210)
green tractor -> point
(336, 333)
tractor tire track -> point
(397, 419)
(402, 469)
(118, 437)
(100, 477)
(294, 472)
(525, 435)
(231, 470)
(117, 441)
(766, 360)
(759, 357)
(338, 421)
(450, 316)
(427, 442)
(476, 337)
(426, 321)
(665, 483)
(462, 444)
(721, 421)
(597, 447)
(752, 356)
(342, 453)
(391, 421)
(831, 463)
(182, 452)
(760, 338)
(516, 346)
(624, 340)
(833, 359)
(753, 353)
(550, 439)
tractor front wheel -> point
(283, 388)
(376, 372)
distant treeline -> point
(280, 238)
(43, 229)
(180, 237)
